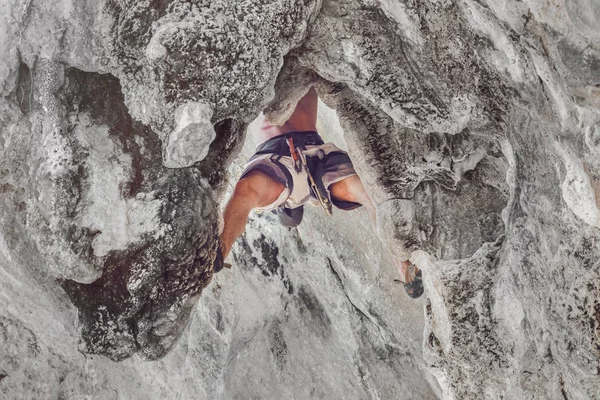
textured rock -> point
(103, 205)
(191, 139)
(474, 125)
(230, 64)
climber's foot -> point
(412, 279)
(219, 260)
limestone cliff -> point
(475, 125)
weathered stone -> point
(191, 139)
(473, 125)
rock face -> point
(475, 125)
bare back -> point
(303, 119)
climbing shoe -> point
(219, 261)
(290, 217)
(413, 283)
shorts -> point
(279, 166)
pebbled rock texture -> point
(475, 126)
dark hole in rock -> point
(23, 93)
(143, 299)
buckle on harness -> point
(299, 164)
(310, 139)
(294, 154)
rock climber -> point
(292, 166)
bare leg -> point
(255, 190)
(352, 189)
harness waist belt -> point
(278, 144)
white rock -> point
(190, 140)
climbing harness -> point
(299, 164)
(306, 166)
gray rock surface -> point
(475, 126)
(190, 141)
